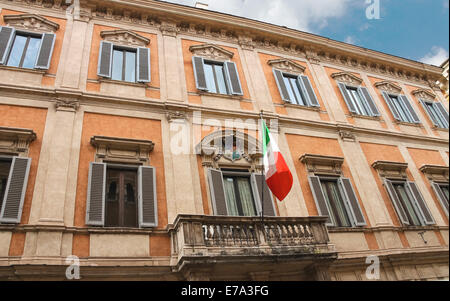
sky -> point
(412, 29)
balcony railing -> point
(200, 236)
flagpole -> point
(262, 169)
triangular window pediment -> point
(424, 94)
(210, 51)
(389, 87)
(30, 22)
(125, 38)
(347, 78)
(287, 66)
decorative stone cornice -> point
(125, 38)
(127, 150)
(31, 22)
(211, 51)
(347, 77)
(389, 169)
(15, 141)
(67, 104)
(246, 43)
(168, 29)
(437, 173)
(326, 165)
(287, 65)
(389, 87)
(423, 94)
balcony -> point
(245, 245)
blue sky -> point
(413, 29)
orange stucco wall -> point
(152, 92)
(300, 145)
(49, 77)
(190, 77)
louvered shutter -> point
(105, 57)
(199, 73)
(259, 187)
(391, 106)
(426, 216)
(347, 98)
(217, 189)
(396, 201)
(6, 39)
(319, 198)
(308, 91)
(143, 65)
(413, 113)
(426, 109)
(369, 100)
(95, 204)
(45, 51)
(355, 208)
(441, 109)
(281, 85)
(12, 205)
(148, 210)
(233, 77)
(441, 197)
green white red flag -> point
(278, 176)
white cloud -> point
(350, 40)
(306, 15)
(436, 56)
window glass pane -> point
(354, 100)
(297, 91)
(210, 82)
(289, 89)
(361, 104)
(117, 65)
(445, 190)
(17, 50)
(245, 193)
(112, 198)
(32, 52)
(400, 108)
(341, 211)
(129, 197)
(437, 118)
(4, 174)
(220, 79)
(407, 205)
(230, 196)
(130, 65)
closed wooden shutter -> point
(259, 187)
(396, 201)
(426, 109)
(217, 190)
(391, 106)
(413, 113)
(95, 204)
(319, 198)
(281, 85)
(11, 210)
(6, 39)
(105, 57)
(347, 98)
(355, 208)
(143, 65)
(441, 197)
(425, 214)
(45, 51)
(373, 107)
(148, 209)
(199, 72)
(442, 110)
(308, 91)
(233, 77)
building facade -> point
(129, 138)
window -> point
(24, 51)
(406, 201)
(296, 89)
(124, 65)
(437, 113)
(335, 202)
(442, 192)
(239, 196)
(358, 100)
(401, 108)
(445, 190)
(216, 77)
(5, 165)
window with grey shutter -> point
(199, 73)
(217, 190)
(262, 191)
(415, 117)
(143, 65)
(148, 210)
(281, 85)
(441, 196)
(442, 110)
(308, 91)
(354, 207)
(391, 106)
(319, 198)
(105, 59)
(430, 113)
(422, 207)
(396, 201)
(6, 39)
(348, 100)
(233, 77)
(369, 100)
(11, 210)
(95, 204)
(45, 51)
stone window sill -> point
(294, 106)
(440, 129)
(376, 118)
(34, 71)
(417, 125)
(229, 96)
(123, 83)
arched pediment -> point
(424, 94)
(125, 38)
(389, 87)
(286, 65)
(211, 51)
(347, 78)
(30, 22)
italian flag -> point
(278, 177)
